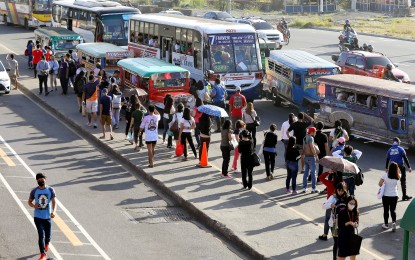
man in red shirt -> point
(37, 55)
(236, 104)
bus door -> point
(166, 47)
(70, 19)
(297, 87)
(398, 115)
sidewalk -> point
(260, 222)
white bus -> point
(231, 50)
(29, 13)
(94, 20)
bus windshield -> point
(169, 80)
(43, 5)
(233, 53)
(114, 27)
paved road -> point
(265, 218)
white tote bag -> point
(381, 191)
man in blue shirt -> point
(43, 196)
(398, 155)
(218, 96)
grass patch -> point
(312, 21)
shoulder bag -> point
(257, 120)
(175, 125)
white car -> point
(265, 30)
(171, 11)
(5, 83)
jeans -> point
(350, 185)
(220, 120)
(326, 221)
(116, 116)
(292, 171)
(269, 159)
(34, 69)
(246, 169)
(44, 227)
(403, 179)
(226, 155)
(389, 204)
(188, 136)
(285, 141)
(197, 134)
(207, 141)
(43, 81)
(309, 168)
(64, 84)
(30, 61)
(166, 122)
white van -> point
(5, 83)
(265, 30)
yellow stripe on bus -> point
(46, 18)
(14, 19)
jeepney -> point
(370, 108)
(60, 40)
(158, 78)
(100, 52)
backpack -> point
(116, 101)
(359, 178)
(26, 52)
(72, 68)
(79, 85)
(335, 215)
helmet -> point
(370, 48)
(389, 66)
(283, 18)
(364, 46)
(347, 22)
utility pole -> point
(228, 6)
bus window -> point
(64, 17)
(412, 108)
(83, 20)
(351, 97)
(297, 79)
(397, 108)
(362, 99)
(197, 49)
(56, 14)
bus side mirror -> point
(335, 57)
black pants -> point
(34, 69)
(43, 227)
(226, 156)
(127, 122)
(252, 128)
(389, 204)
(220, 120)
(138, 136)
(204, 140)
(269, 159)
(43, 81)
(403, 180)
(188, 137)
(64, 84)
(335, 247)
(246, 169)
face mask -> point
(350, 206)
(41, 183)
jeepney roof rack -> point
(96, 3)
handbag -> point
(381, 191)
(174, 127)
(355, 243)
(130, 137)
(256, 161)
(332, 218)
(233, 143)
(257, 120)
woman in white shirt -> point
(187, 124)
(250, 115)
(284, 128)
(390, 194)
(177, 117)
(150, 126)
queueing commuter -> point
(43, 69)
(353, 156)
(390, 194)
(105, 108)
(90, 96)
(284, 128)
(150, 126)
(270, 150)
(136, 118)
(187, 124)
(204, 128)
(218, 96)
(239, 126)
(398, 155)
(226, 137)
(237, 103)
(292, 156)
(250, 116)
(322, 142)
(246, 148)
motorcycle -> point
(348, 41)
(285, 32)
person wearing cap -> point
(351, 155)
(340, 145)
(237, 103)
(398, 155)
(310, 158)
(105, 108)
(43, 196)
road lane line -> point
(70, 235)
(6, 158)
(59, 204)
(27, 214)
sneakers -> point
(42, 256)
(46, 247)
(89, 124)
(324, 191)
(287, 191)
(406, 197)
(393, 227)
(304, 190)
(294, 192)
(315, 191)
(385, 226)
(95, 126)
(322, 237)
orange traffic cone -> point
(203, 157)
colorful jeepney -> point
(60, 40)
(370, 108)
(158, 78)
(105, 53)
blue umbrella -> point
(213, 110)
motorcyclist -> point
(387, 74)
(370, 48)
(364, 47)
(284, 23)
(347, 25)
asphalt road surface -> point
(38, 139)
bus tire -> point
(5, 19)
(277, 102)
(26, 24)
(346, 126)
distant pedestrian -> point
(310, 159)
(226, 137)
(341, 142)
(322, 142)
(336, 133)
(246, 148)
(204, 128)
(129, 109)
(250, 115)
(43, 196)
(14, 69)
(348, 221)
(64, 75)
(292, 157)
(218, 96)
(299, 128)
(37, 56)
(177, 118)
(390, 194)
(202, 92)
(150, 126)
(398, 155)
(168, 113)
(270, 150)
(239, 126)
(53, 73)
(117, 101)
(43, 68)
(48, 53)
(196, 115)
(187, 124)
(80, 82)
(136, 119)
(105, 109)
(351, 155)
(90, 96)
(71, 68)
(237, 104)
(284, 128)
(29, 51)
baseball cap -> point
(396, 139)
(238, 89)
(105, 90)
(40, 176)
(341, 140)
(311, 130)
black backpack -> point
(72, 68)
(359, 178)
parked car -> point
(219, 15)
(171, 11)
(4, 80)
(265, 30)
(365, 63)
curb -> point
(199, 215)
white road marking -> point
(59, 204)
(85, 255)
